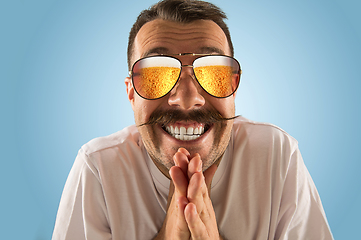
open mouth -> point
(187, 133)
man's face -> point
(166, 37)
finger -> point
(181, 160)
(180, 181)
(196, 227)
(182, 203)
(198, 194)
(195, 165)
(208, 177)
(175, 224)
(201, 226)
(184, 151)
(181, 228)
(197, 191)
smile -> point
(186, 133)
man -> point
(189, 169)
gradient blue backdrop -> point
(63, 65)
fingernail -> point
(199, 168)
(195, 211)
(175, 161)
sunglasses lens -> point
(154, 77)
(218, 75)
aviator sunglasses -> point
(154, 77)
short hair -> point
(181, 11)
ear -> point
(130, 90)
(236, 81)
(234, 94)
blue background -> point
(63, 65)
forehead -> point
(167, 37)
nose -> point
(186, 94)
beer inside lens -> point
(157, 81)
(215, 79)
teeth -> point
(190, 131)
(182, 131)
(185, 134)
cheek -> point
(144, 108)
(225, 106)
(139, 110)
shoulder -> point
(259, 130)
(262, 135)
(115, 152)
(114, 158)
(263, 151)
(120, 139)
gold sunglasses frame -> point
(131, 73)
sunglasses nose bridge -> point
(187, 70)
(187, 66)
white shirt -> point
(261, 190)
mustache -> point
(171, 116)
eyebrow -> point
(212, 50)
(165, 51)
(156, 51)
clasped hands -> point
(190, 213)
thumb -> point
(171, 193)
(208, 175)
